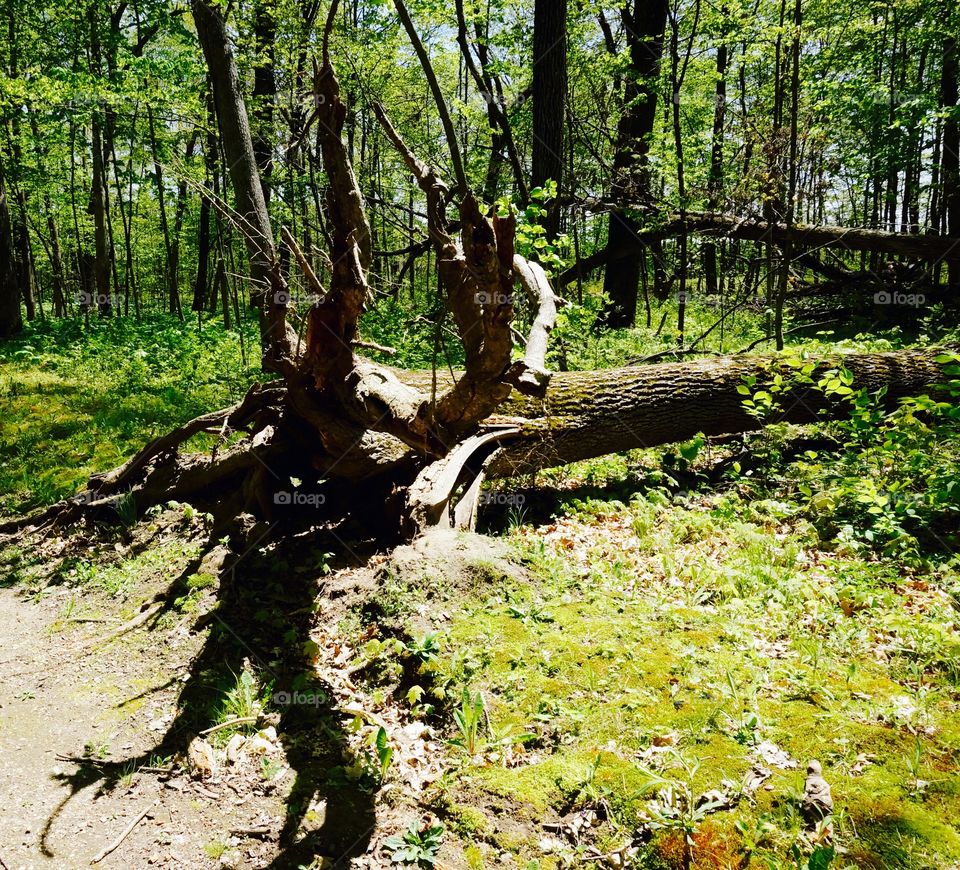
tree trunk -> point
(98, 190)
(950, 165)
(201, 283)
(644, 25)
(180, 209)
(23, 262)
(11, 318)
(549, 100)
(715, 178)
(589, 414)
(55, 251)
(267, 287)
(264, 92)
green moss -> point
(469, 821)
(678, 635)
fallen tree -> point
(417, 445)
(802, 237)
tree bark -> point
(267, 286)
(644, 25)
(950, 165)
(203, 294)
(715, 177)
(23, 263)
(549, 100)
(589, 414)
(98, 190)
(11, 318)
(264, 93)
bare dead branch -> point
(534, 377)
(449, 130)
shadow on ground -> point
(262, 616)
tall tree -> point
(549, 99)
(950, 160)
(264, 90)
(644, 22)
(98, 189)
(268, 287)
(11, 319)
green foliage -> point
(416, 845)
(469, 717)
(532, 240)
(81, 399)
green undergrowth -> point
(81, 398)
(660, 634)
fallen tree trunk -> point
(340, 431)
(800, 236)
(582, 415)
(588, 414)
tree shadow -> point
(262, 616)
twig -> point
(210, 795)
(453, 146)
(126, 833)
(798, 328)
(239, 720)
(304, 264)
(261, 831)
(136, 622)
(92, 619)
(372, 345)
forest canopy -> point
(838, 114)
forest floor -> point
(80, 719)
(615, 643)
(639, 648)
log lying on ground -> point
(799, 236)
(588, 414)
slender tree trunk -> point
(792, 169)
(98, 193)
(715, 179)
(21, 234)
(179, 212)
(677, 75)
(268, 289)
(202, 282)
(172, 291)
(264, 92)
(11, 319)
(950, 159)
(56, 253)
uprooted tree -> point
(420, 443)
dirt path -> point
(58, 701)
